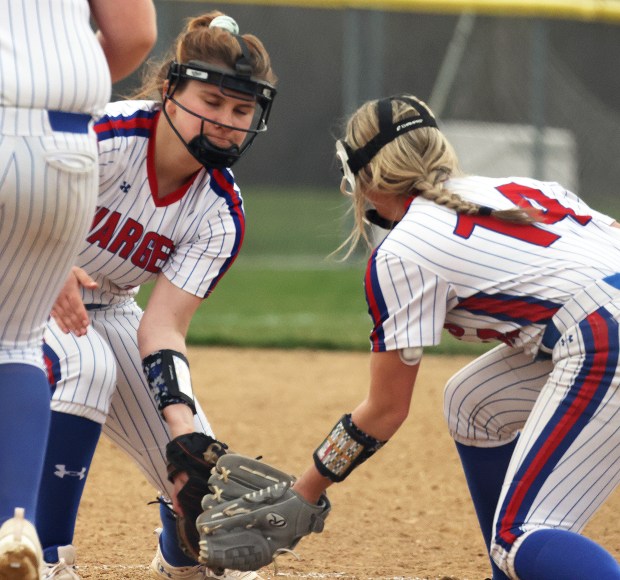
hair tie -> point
(485, 210)
(225, 22)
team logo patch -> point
(276, 520)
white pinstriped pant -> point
(48, 192)
(567, 410)
(99, 376)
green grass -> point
(284, 308)
(293, 223)
(284, 291)
(273, 307)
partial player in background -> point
(512, 259)
(168, 211)
(53, 79)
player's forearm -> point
(311, 485)
(179, 418)
(160, 339)
(159, 331)
(380, 421)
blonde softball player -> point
(515, 260)
(54, 76)
(169, 211)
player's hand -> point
(68, 310)
(190, 459)
(179, 482)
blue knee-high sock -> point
(70, 451)
(169, 542)
(563, 555)
(24, 425)
(485, 469)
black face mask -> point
(211, 155)
(237, 83)
(205, 152)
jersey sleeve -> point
(215, 237)
(124, 126)
(407, 303)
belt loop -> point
(550, 336)
(69, 122)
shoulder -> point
(127, 119)
(504, 192)
(222, 182)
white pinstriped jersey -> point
(482, 278)
(192, 236)
(50, 57)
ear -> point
(171, 108)
(165, 88)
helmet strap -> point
(389, 130)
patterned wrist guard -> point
(346, 447)
(167, 374)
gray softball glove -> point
(235, 475)
(248, 531)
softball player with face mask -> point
(168, 211)
(523, 262)
(55, 75)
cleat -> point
(21, 556)
(64, 569)
(161, 570)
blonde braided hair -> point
(417, 162)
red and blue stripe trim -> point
(223, 184)
(377, 308)
(522, 310)
(139, 124)
(52, 366)
(600, 337)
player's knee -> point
(472, 413)
(460, 408)
(84, 386)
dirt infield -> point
(403, 514)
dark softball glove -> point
(248, 531)
(195, 454)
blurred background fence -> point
(520, 87)
(541, 92)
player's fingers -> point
(71, 315)
(179, 481)
(59, 321)
(84, 279)
(176, 506)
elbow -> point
(142, 38)
(146, 42)
(127, 58)
(142, 339)
(142, 44)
